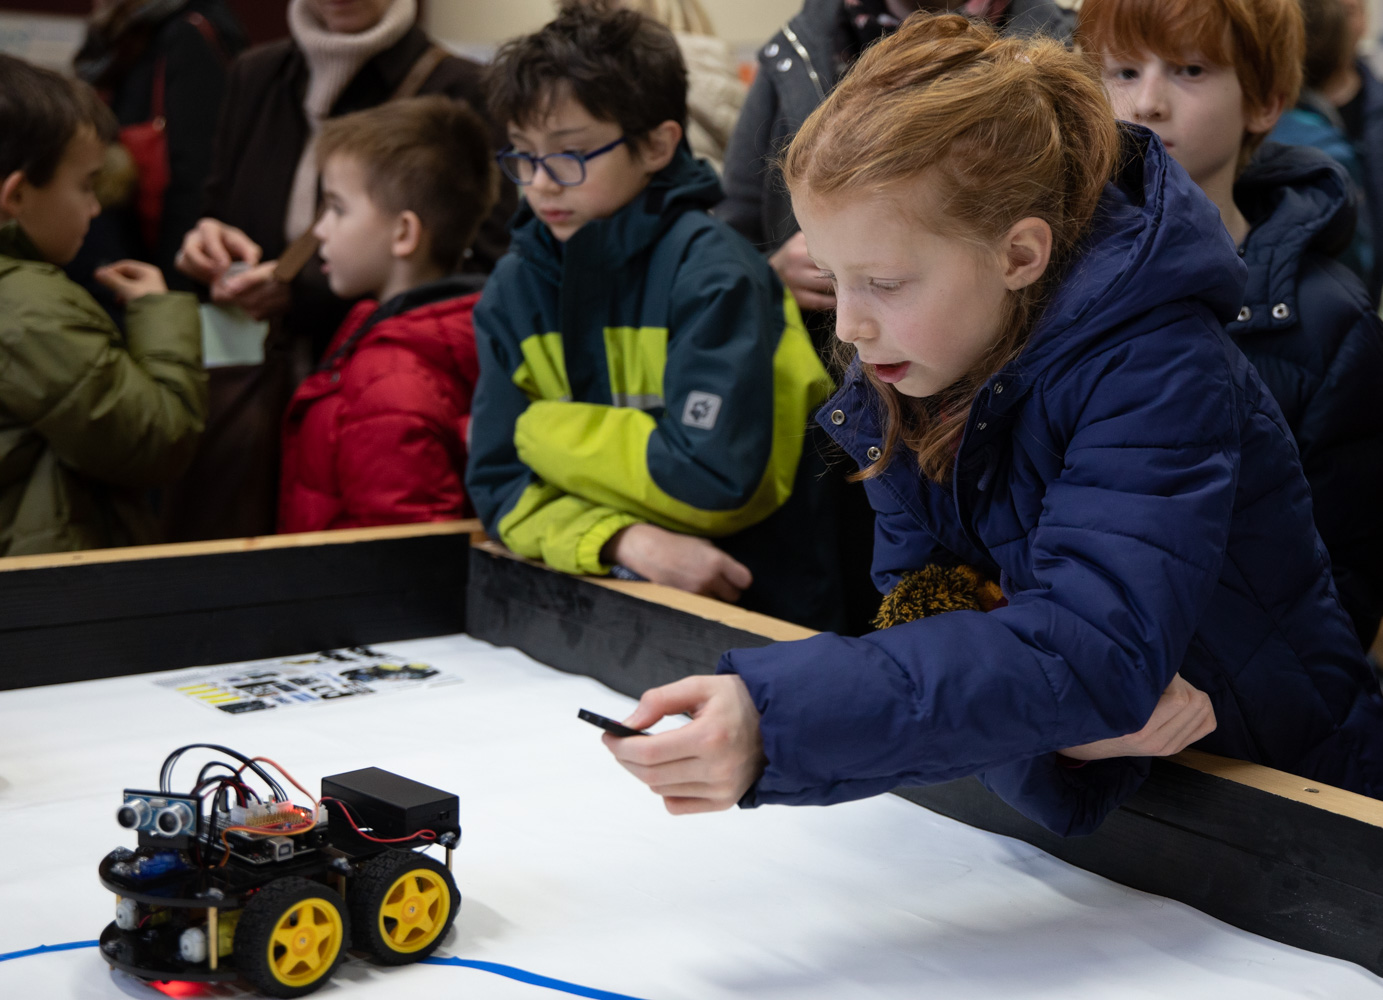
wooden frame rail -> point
(77, 616)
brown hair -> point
(429, 155)
(1263, 40)
(620, 65)
(40, 112)
(1005, 129)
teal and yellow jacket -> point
(652, 369)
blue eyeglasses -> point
(567, 169)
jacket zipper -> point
(807, 63)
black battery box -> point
(392, 806)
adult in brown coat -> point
(261, 194)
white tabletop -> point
(571, 870)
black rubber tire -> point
(369, 893)
(258, 922)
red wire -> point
(345, 811)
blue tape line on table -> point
(41, 949)
(529, 977)
(507, 971)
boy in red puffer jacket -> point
(377, 435)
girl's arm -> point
(1124, 559)
(713, 761)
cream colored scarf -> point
(333, 59)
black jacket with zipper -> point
(798, 67)
(1308, 326)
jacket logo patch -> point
(701, 410)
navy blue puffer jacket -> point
(1309, 328)
(1135, 490)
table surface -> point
(576, 882)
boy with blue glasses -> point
(646, 381)
(566, 169)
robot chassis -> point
(228, 884)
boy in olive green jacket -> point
(89, 418)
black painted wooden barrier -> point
(104, 619)
(623, 642)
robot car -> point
(234, 881)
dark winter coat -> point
(1316, 123)
(1369, 148)
(1135, 490)
(798, 67)
(194, 71)
(377, 435)
(260, 139)
(1308, 326)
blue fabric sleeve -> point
(1125, 556)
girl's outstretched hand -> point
(709, 763)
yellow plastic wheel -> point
(291, 936)
(414, 911)
(306, 941)
(402, 904)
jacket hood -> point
(1298, 201)
(683, 185)
(816, 27)
(1156, 239)
(423, 319)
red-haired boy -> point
(1211, 78)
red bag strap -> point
(209, 32)
(160, 79)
